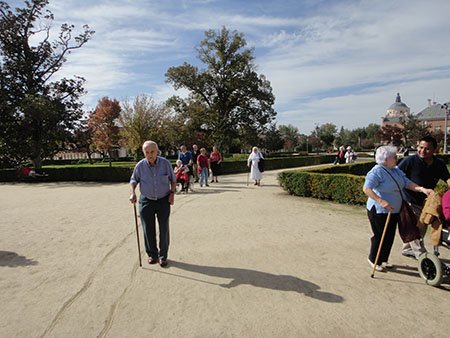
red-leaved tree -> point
(102, 123)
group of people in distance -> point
(157, 183)
(345, 155)
(197, 165)
(388, 185)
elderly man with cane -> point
(157, 184)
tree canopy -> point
(143, 119)
(38, 113)
(103, 125)
(236, 101)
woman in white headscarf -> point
(253, 162)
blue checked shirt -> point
(154, 181)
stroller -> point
(432, 269)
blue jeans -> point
(148, 209)
(204, 177)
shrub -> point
(340, 183)
(342, 188)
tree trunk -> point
(37, 162)
(89, 155)
(110, 159)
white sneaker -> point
(387, 265)
(378, 268)
(409, 253)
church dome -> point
(398, 104)
(398, 109)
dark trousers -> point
(377, 222)
(148, 209)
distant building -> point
(434, 117)
(396, 113)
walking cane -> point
(137, 235)
(381, 243)
(248, 174)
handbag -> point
(407, 223)
(261, 165)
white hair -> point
(148, 143)
(384, 152)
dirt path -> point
(244, 262)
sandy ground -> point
(245, 261)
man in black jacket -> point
(426, 170)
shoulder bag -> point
(407, 224)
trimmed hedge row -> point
(123, 173)
(342, 188)
(339, 183)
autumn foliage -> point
(102, 123)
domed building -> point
(396, 113)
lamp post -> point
(446, 108)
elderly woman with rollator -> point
(383, 186)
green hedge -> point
(342, 188)
(356, 168)
(122, 172)
(339, 183)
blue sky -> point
(328, 61)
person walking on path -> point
(349, 155)
(382, 189)
(203, 167)
(157, 185)
(195, 153)
(215, 160)
(425, 169)
(340, 157)
(185, 155)
(253, 162)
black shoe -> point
(152, 260)
(163, 262)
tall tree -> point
(38, 112)
(326, 134)
(413, 130)
(187, 125)
(289, 134)
(271, 139)
(236, 99)
(141, 120)
(83, 138)
(392, 134)
(104, 127)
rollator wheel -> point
(430, 269)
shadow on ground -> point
(260, 279)
(12, 259)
